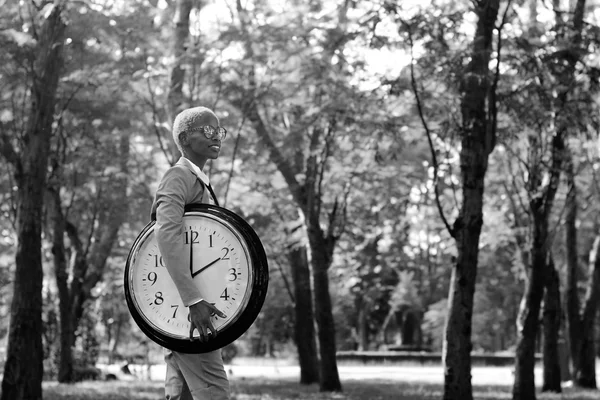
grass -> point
(280, 389)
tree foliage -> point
(349, 125)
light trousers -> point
(195, 376)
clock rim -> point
(258, 286)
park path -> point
(282, 369)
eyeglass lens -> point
(211, 132)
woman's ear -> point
(183, 139)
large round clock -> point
(230, 263)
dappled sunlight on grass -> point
(104, 390)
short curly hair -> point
(188, 119)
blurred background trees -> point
(335, 110)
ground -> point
(264, 379)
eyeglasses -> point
(211, 132)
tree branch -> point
(434, 161)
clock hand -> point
(191, 259)
(206, 266)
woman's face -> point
(197, 145)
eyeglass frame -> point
(210, 132)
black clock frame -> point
(260, 282)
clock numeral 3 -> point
(232, 274)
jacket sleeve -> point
(170, 203)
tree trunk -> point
(116, 337)
(65, 363)
(362, 323)
(23, 370)
(87, 268)
(304, 329)
(551, 321)
(477, 141)
(308, 198)
(540, 207)
(175, 97)
(585, 370)
(321, 257)
(527, 331)
(572, 296)
(576, 322)
(411, 328)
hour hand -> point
(203, 268)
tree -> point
(580, 321)
(307, 193)
(28, 151)
(176, 102)
(304, 327)
(478, 137)
(477, 132)
(79, 267)
(542, 187)
(580, 318)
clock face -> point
(227, 264)
(220, 268)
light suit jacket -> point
(182, 184)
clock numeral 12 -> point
(193, 236)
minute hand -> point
(192, 259)
(206, 266)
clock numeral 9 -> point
(152, 277)
(158, 299)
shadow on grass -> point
(278, 389)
